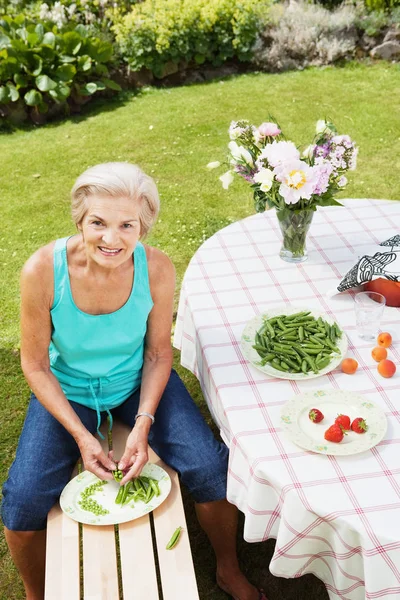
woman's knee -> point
(24, 508)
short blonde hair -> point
(117, 179)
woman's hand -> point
(136, 453)
(94, 459)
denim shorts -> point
(47, 453)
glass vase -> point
(294, 227)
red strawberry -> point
(315, 415)
(334, 433)
(343, 421)
(359, 425)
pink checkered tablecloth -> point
(336, 517)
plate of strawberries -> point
(333, 422)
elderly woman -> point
(96, 324)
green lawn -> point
(172, 134)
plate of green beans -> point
(89, 500)
(292, 343)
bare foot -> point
(237, 585)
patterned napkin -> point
(385, 262)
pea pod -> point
(174, 539)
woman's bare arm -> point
(36, 302)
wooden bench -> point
(120, 562)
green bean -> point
(174, 539)
(149, 494)
(304, 367)
(270, 329)
(291, 363)
(316, 341)
(301, 333)
(323, 363)
(260, 349)
(296, 315)
(331, 345)
(155, 487)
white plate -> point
(310, 436)
(251, 328)
(105, 496)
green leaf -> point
(4, 41)
(90, 88)
(112, 85)
(100, 86)
(49, 39)
(20, 80)
(22, 33)
(44, 83)
(4, 94)
(61, 93)
(100, 51)
(66, 72)
(84, 63)
(33, 98)
(14, 93)
(47, 53)
(39, 29)
(199, 58)
(32, 39)
(37, 65)
(72, 41)
(81, 29)
(64, 58)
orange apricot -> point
(384, 339)
(349, 366)
(379, 353)
(386, 368)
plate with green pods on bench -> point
(89, 500)
(289, 342)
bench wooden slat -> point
(138, 570)
(139, 579)
(167, 517)
(62, 562)
(100, 575)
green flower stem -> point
(294, 226)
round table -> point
(336, 517)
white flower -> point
(239, 153)
(309, 151)
(321, 126)
(235, 130)
(226, 179)
(265, 177)
(213, 165)
(278, 152)
(342, 181)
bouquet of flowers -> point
(295, 184)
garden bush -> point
(41, 68)
(156, 33)
(301, 34)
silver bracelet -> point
(145, 414)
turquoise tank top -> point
(98, 359)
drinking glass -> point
(369, 309)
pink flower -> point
(322, 172)
(269, 130)
(297, 180)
